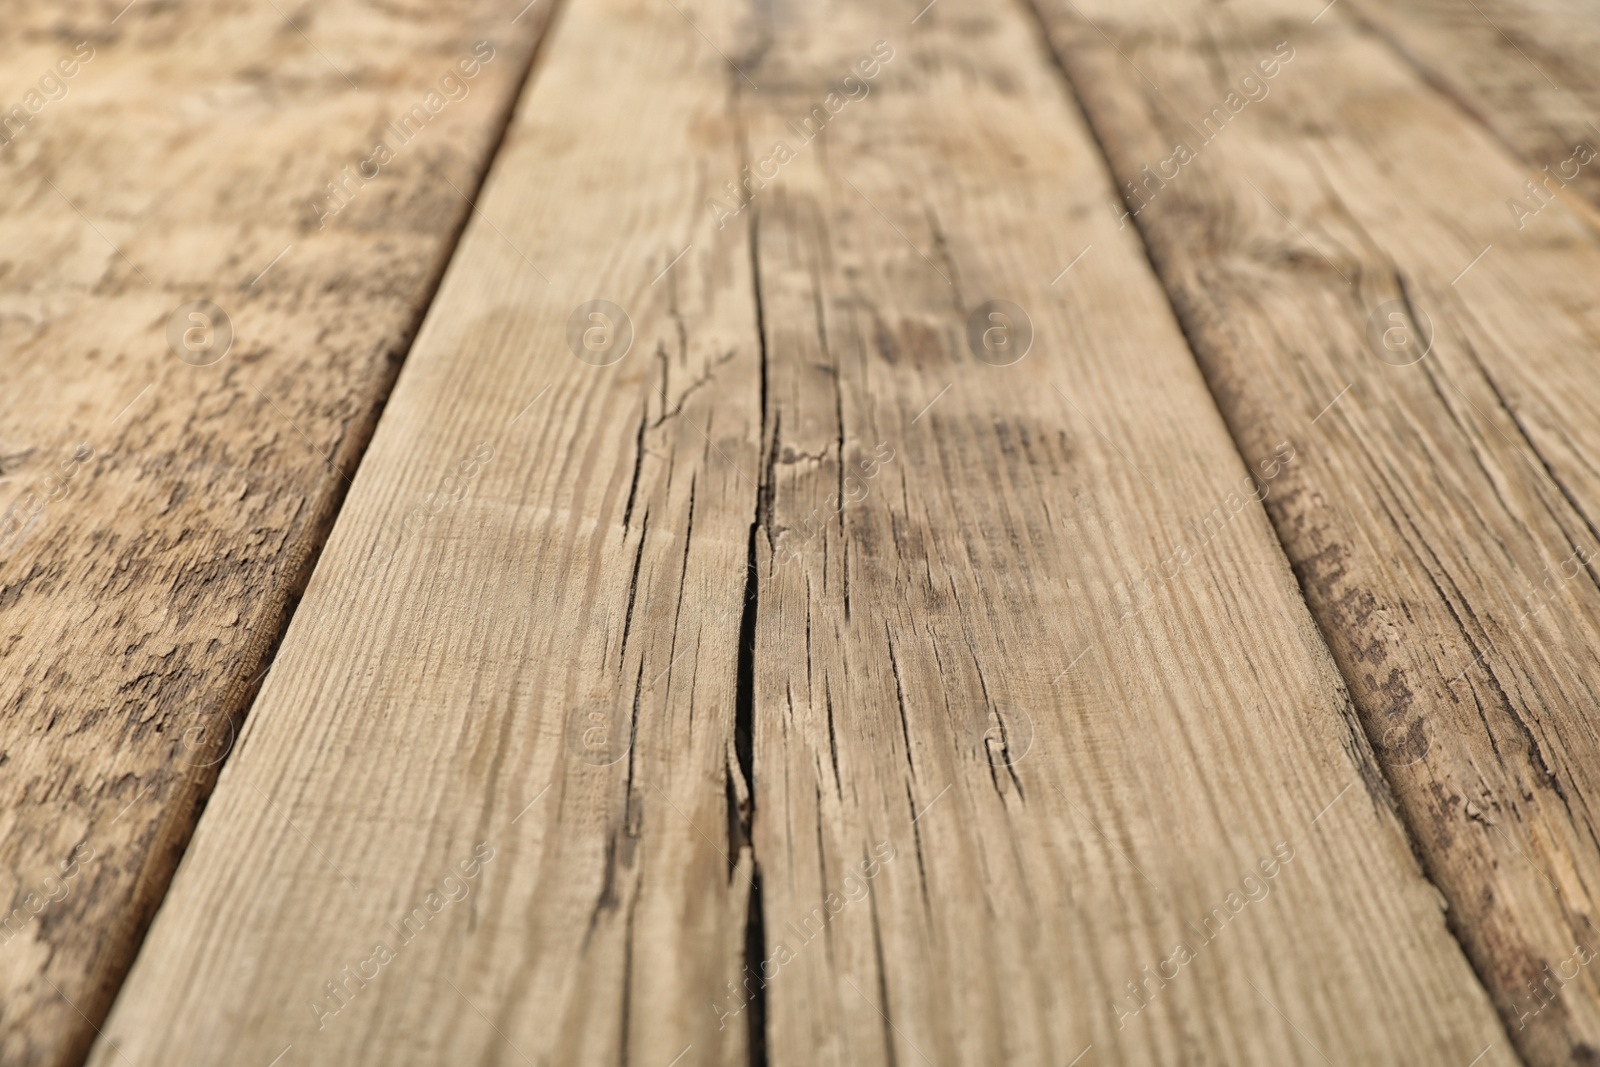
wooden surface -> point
(1522, 69)
(1057, 532)
(157, 518)
(1007, 675)
(546, 667)
(852, 732)
(1442, 514)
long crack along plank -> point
(160, 501)
(1335, 236)
(479, 812)
(1012, 661)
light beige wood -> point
(1050, 655)
(1049, 754)
(545, 667)
(158, 519)
(1524, 69)
(1441, 515)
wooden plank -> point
(1329, 216)
(1523, 68)
(508, 696)
(158, 516)
(1036, 702)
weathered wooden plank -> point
(158, 512)
(521, 640)
(1039, 702)
(1335, 239)
(1523, 68)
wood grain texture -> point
(522, 638)
(158, 519)
(1442, 514)
(1049, 657)
(1523, 68)
(955, 696)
